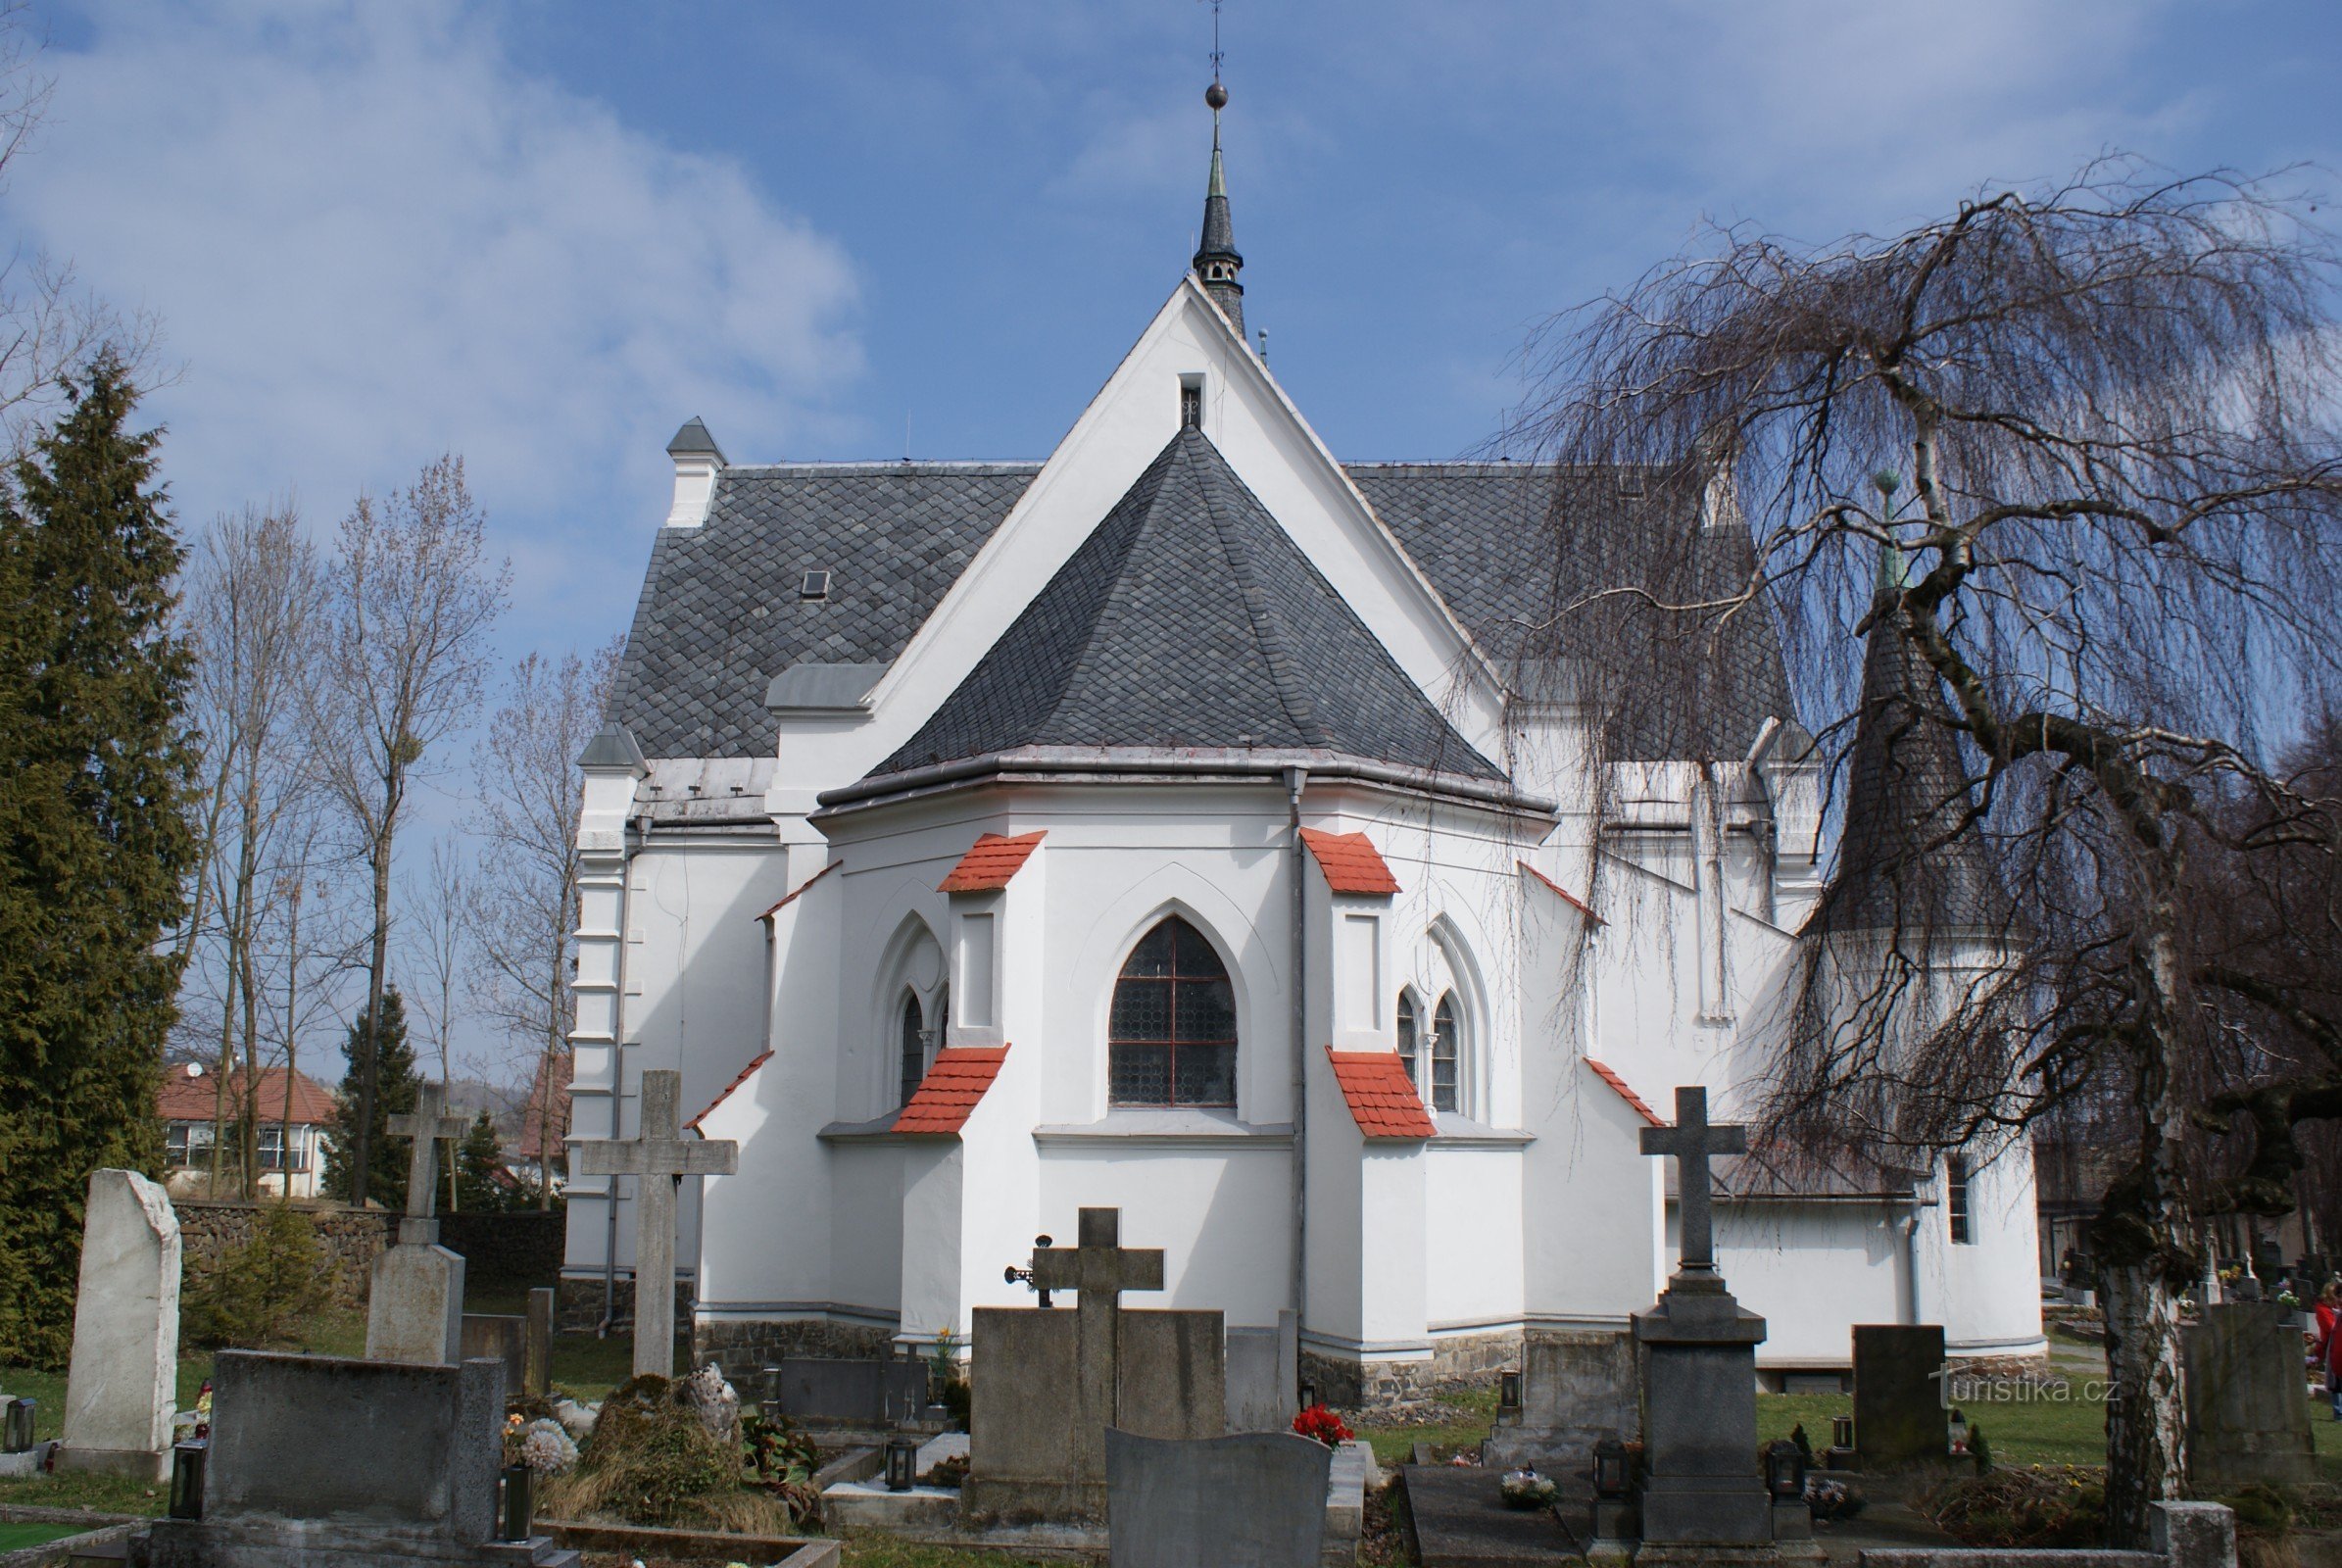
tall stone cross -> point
(660, 1156)
(1691, 1140)
(1099, 1269)
(427, 1125)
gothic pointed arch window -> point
(1447, 1051)
(1171, 1030)
(1410, 1030)
(917, 1038)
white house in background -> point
(1179, 824)
(292, 1144)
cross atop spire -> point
(1217, 263)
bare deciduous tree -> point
(439, 940)
(412, 598)
(525, 903)
(2067, 460)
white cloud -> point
(371, 238)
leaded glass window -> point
(1408, 1026)
(1444, 1053)
(1171, 1033)
(914, 1046)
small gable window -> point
(1171, 1032)
(1191, 404)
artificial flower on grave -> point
(1322, 1424)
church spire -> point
(1217, 263)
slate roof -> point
(1907, 861)
(1381, 1096)
(1350, 861)
(1480, 533)
(1189, 620)
(948, 1096)
(990, 863)
(720, 613)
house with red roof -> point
(295, 1116)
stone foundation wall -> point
(352, 1238)
(743, 1346)
(577, 1304)
(1465, 1362)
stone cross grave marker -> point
(427, 1126)
(415, 1294)
(660, 1157)
(1099, 1269)
(1701, 1490)
(1691, 1140)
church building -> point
(1189, 824)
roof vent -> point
(813, 585)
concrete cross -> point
(1101, 1268)
(1691, 1139)
(662, 1157)
(427, 1125)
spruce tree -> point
(477, 1159)
(395, 1086)
(96, 839)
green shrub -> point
(261, 1295)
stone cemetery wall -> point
(352, 1238)
(501, 1251)
(744, 1349)
(507, 1251)
(1466, 1360)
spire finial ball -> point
(1216, 96)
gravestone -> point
(863, 1393)
(499, 1338)
(1257, 1499)
(1701, 1490)
(1047, 1383)
(1577, 1389)
(318, 1461)
(2246, 1417)
(121, 1383)
(1901, 1421)
(415, 1291)
(536, 1376)
(1264, 1376)
(657, 1155)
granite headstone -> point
(1901, 1421)
(2247, 1420)
(1255, 1499)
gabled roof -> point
(738, 1078)
(1189, 620)
(186, 1097)
(1350, 861)
(719, 615)
(1908, 862)
(990, 863)
(1566, 897)
(947, 1096)
(1626, 1092)
(1382, 1097)
(789, 897)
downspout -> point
(1296, 780)
(617, 1079)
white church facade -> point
(1173, 825)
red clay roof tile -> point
(788, 899)
(1564, 894)
(738, 1078)
(193, 1099)
(990, 865)
(1626, 1092)
(1382, 1098)
(947, 1094)
(1350, 861)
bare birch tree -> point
(525, 901)
(413, 596)
(440, 948)
(2072, 454)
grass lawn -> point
(868, 1550)
(16, 1538)
(1396, 1445)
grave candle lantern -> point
(1842, 1432)
(1610, 1468)
(186, 1480)
(1784, 1470)
(902, 1459)
(1508, 1389)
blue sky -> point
(542, 234)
